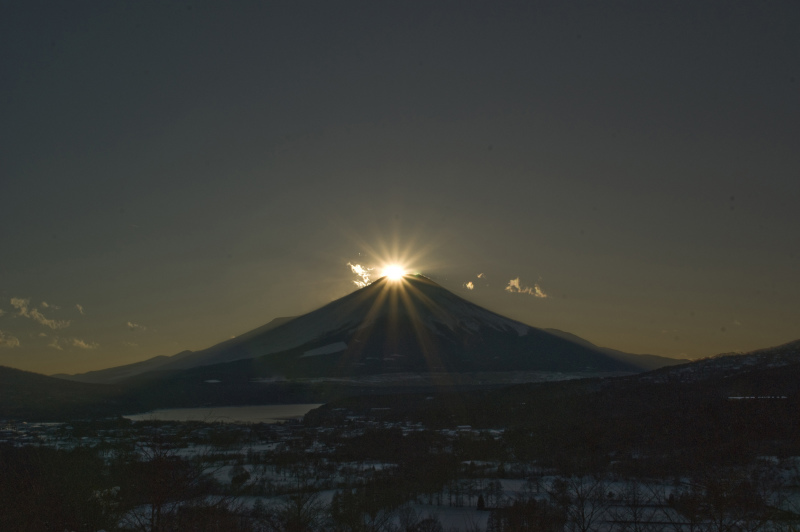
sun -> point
(394, 272)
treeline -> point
(655, 429)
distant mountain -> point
(158, 363)
(123, 372)
(413, 325)
(645, 362)
(31, 396)
(728, 364)
(401, 337)
(768, 365)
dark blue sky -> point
(188, 171)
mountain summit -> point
(409, 325)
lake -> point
(229, 414)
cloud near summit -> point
(515, 288)
(363, 274)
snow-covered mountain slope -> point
(411, 325)
(383, 303)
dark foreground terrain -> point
(713, 445)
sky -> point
(174, 174)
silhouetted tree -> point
(582, 499)
(635, 509)
(528, 515)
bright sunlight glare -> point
(394, 272)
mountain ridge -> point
(33, 396)
(411, 325)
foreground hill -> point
(413, 325)
(731, 365)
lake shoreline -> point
(273, 413)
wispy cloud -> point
(84, 345)
(53, 324)
(481, 275)
(515, 288)
(363, 274)
(23, 309)
(80, 308)
(45, 304)
(6, 340)
(136, 327)
(2, 312)
(21, 305)
(58, 343)
(469, 285)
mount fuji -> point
(412, 325)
